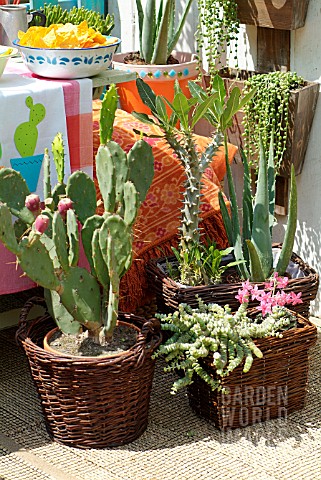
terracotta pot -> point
(161, 78)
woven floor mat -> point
(176, 446)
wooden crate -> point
(302, 107)
(279, 14)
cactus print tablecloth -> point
(32, 111)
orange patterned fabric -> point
(159, 217)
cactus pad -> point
(81, 190)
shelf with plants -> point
(274, 20)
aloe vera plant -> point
(253, 244)
(46, 240)
(219, 111)
(158, 33)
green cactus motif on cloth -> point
(26, 134)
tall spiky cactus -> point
(181, 138)
(48, 250)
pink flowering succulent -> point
(272, 295)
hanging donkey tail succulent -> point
(288, 242)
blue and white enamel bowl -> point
(68, 63)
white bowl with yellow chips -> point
(66, 51)
(5, 53)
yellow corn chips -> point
(64, 36)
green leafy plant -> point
(55, 14)
(217, 110)
(46, 240)
(224, 338)
(268, 112)
(253, 242)
(206, 261)
(158, 33)
(218, 27)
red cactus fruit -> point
(32, 202)
(41, 223)
(64, 205)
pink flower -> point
(281, 282)
(295, 298)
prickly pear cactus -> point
(26, 134)
(46, 238)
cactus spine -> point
(75, 296)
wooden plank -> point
(273, 50)
(112, 76)
(279, 14)
(281, 195)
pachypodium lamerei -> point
(47, 245)
(178, 129)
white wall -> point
(306, 61)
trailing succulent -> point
(214, 333)
(218, 27)
(267, 113)
(46, 239)
(253, 242)
(188, 111)
(158, 33)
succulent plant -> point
(253, 243)
(48, 249)
(180, 136)
(158, 33)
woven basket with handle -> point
(169, 293)
(91, 402)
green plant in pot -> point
(81, 393)
(56, 14)
(158, 33)
(156, 61)
(48, 250)
(258, 219)
(253, 242)
(228, 360)
(193, 260)
(267, 114)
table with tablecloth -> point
(32, 111)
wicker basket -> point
(274, 387)
(169, 294)
(91, 402)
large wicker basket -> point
(91, 402)
(169, 294)
(274, 387)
